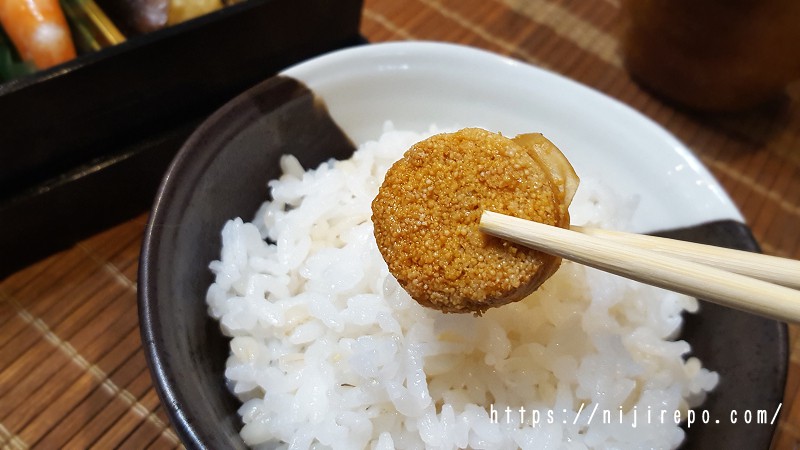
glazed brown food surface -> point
(427, 212)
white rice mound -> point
(328, 351)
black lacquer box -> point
(84, 145)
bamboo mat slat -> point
(72, 370)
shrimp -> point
(38, 30)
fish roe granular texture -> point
(427, 212)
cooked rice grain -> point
(328, 351)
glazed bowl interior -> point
(323, 108)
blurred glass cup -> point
(713, 55)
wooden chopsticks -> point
(737, 281)
(781, 271)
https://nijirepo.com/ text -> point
(633, 417)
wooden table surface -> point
(72, 370)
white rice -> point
(329, 352)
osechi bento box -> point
(85, 138)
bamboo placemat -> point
(72, 371)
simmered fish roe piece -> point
(427, 211)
